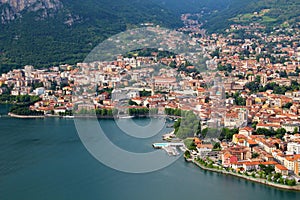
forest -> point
(51, 41)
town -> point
(249, 94)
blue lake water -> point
(45, 159)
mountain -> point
(193, 6)
(219, 14)
(11, 9)
(270, 13)
(50, 32)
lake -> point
(45, 159)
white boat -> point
(125, 117)
(68, 117)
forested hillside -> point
(67, 35)
(270, 13)
(47, 36)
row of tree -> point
(277, 89)
(138, 111)
(106, 112)
(279, 133)
(173, 111)
(24, 110)
(21, 104)
(187, 126)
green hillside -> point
(268, 12)
(51, 41)
(56, 40)
(183, 6)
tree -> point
(258, 79)
(295, 130)
(252, 86)
(204, 132)
(254, 124)
(105, 112)
(283, 74)
(37, 85)
(24, 110)
(217, 146)
(255, 155)
(171, 111)
(240, 101)
(207, 99)
(172, 64)
(188, 125)
(267, 169)
(227, 68)
(177, 112)
(153, 111)
(287, 105)
(266, 132)
(291, 182)
(138, 111)
(227, 133)
(145, 93)
(187, 154)
(280, 132)
(132, 103)
(190, 144)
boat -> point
(126, 117)
(68, 117)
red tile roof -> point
(281, 167)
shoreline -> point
(257, 180)
(26, 116)
(83, 116)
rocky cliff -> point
(11, 9)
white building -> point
(39, 91)
(293, 147)
(203, 151)
(290, 127)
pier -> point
(170, 148)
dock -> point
(171, 148)
(167, 144)
(172, 151)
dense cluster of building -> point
(252, 79)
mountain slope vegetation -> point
(275, 12)
(66, 33)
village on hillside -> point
(251, 91)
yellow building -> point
(297, 167)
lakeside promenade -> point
(257, 180)
(171, 117)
